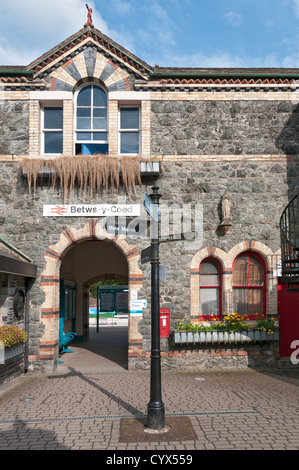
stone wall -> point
(223, 357)
(224, 127)
(260, 188)
(14, 125)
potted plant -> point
(12, 339)
(233, 328)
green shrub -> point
(11, 335)
(267, 325)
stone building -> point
(206, 136)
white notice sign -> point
(138, 305)
(94, 210)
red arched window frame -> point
(211, 286)
(248, 286)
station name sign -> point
(94, 210)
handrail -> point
(289, 239)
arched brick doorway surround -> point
(50, 278)
(226, 260)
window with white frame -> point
(129, 130)
(210, 289)
(91, 122)
(52, 129)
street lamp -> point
(156, 412)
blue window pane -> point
(99, 97)
(53, 142)
(129, 118)
(129, 142)
(100, 123)
(100, 136)
(53, 118)
(83, 123)
(83, 136)
(84, 96)
(100, 112)
(84, 112)
(91, 149)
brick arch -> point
(50, 279)
(208, 252)
(226, 260)
(264, 251)
(88, 65)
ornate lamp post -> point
(156, 412)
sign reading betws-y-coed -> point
(94, 210)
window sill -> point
(216, 337)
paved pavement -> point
(81, 405)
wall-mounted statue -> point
(226, 207)
(226, 214)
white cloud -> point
(217, 60)
(29, 29)
(160, 26)
(121, 7)
(233, 18)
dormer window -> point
(91, 126)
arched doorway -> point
(81, 255)
(84, 262)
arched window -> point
(209, 289)
(249, 285)
(91, 124)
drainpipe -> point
(28, 285)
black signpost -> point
(155, 410)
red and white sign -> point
(94, 210)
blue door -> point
(67, 311)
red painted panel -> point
(164, 322)
(288, 311)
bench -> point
(64, 341)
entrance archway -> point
(86, 261)
(60, 256)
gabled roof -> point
(97, 39)
(146, 77)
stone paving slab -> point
(76, 410)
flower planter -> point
(13, 351)
(211, 337)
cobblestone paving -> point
(80, 406)
(71, 409)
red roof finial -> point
(89, 18)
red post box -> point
(164, 322)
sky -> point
(169, 33)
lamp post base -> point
(156, 419)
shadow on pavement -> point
(290, 376)
(72, 372)
(22, 437)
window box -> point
(13, 351)
(211, 337)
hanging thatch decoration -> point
(91, 173)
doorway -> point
(83, 265)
